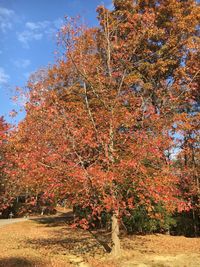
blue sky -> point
(28, 39)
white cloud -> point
(26, 36)
(6, 12)
(35, 31)
(6, 19)
(31, 25)
(22, 63)
(3, 76)
(37, 25)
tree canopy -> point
(104, 120)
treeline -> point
(113, 126)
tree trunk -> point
(194, 222)
(115, 236)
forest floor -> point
(51, 242)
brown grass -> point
(52, 243)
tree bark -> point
(116, 250)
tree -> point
(188, 142)
(98, 125)
(3, 177)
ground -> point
(51, 242)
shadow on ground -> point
(65, 239)
(16, 262)
(57, 220)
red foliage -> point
(99, 122)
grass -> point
(51, 242)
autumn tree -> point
(187, 164)
(188, 131)
(98, 125)
(3, 177)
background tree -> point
(4, 189)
